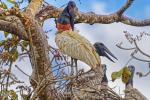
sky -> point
(110, 35)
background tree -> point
(133, 40)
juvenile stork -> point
(130, 81)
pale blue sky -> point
(112, 34)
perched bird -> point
(132, 70)
(102, 50)
(73, 44)
(104, 78)
(66, 22)
(132, 93)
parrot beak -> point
(107, 51)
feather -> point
(78, 47)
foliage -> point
(10, 51)
(124, 74)
(11, 48)
(6, 94)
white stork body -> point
(78, 47)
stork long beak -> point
(107, 51)
(102, 50)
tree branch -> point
(53, 12)
(13, 28)
(143, 60)
(140, 74)
(141, 50)
(125, 7)
(33, 7)
(120, 47)
(135, 22)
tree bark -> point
(39, 56)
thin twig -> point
(22, 71)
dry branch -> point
(13, 28)
(90, 18)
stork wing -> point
(76, 46)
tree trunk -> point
(40, 60)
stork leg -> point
(76, 67)
(72, 71)
(73, 60)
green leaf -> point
(126, 75)
(15, 55)
(1, 43)
(24, 45)
(3, 5)
(116, 74)
(13, 95)
(6, 34)
(24, 96)
(12, 1)
(6, 47)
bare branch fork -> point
(136, 48)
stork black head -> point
(72, 8)
(71, 4)
(102, 50)
(131, 68)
